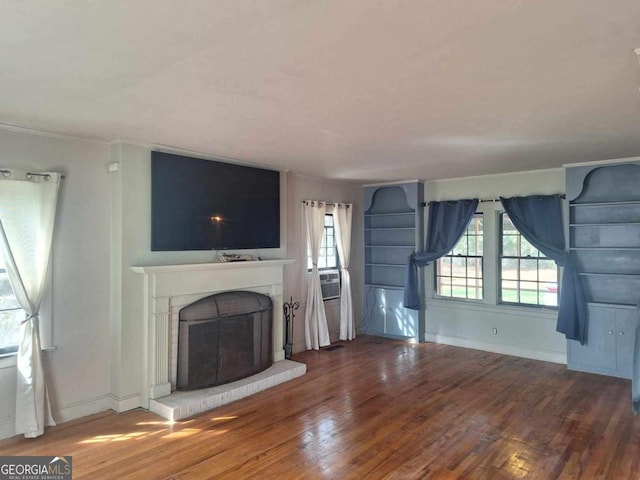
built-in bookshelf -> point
(604, 238)
(393, 231)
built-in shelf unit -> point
(604, 233)
(393, 230)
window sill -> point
(332, 300)
(9, 360)
(478, 305)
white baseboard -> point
(81, 409)
(66, 413)
(120, 405)
(516, 351)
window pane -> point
(548, 271)
(529, 292)
(549, 295)
(11, 314)
(529, 269)
(459, 266)
(329, 241)
(510, 246)
(445, 291)
(328, 253)
(509, 291)
(459, 274)
(474, 267)
(7, 298)
(460, 248)
(509, 268)
(444, 266)
(459, 287)
(536, 275)
(444, 286)
(479, 244)
(473, 247)
(10, 327)
(507, 226)
(526, 249)
(474, 288)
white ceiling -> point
(366, 90)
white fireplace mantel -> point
(163, 285)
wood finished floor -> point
(377, 409)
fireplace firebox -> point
(224, 337)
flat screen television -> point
(199, 204)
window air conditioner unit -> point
(330, 284)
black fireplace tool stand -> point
(288, 308)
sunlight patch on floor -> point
(187, 432)
(163, 422)
(117, 437)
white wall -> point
(295, 281)
(522, 331)
(79, 367)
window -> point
(11, 314)
(526, 275)
(328, 252)
(459, 273)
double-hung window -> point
(459, 273)
(11, 314)
(328, 258)
(527, 276)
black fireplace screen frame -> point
(223, 338)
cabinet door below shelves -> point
(599, 353)
(374, 314)
(610, 342)
(387, 314)
(625, 334)
(400, 321)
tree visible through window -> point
(11, 314)
(526, 275)
(459, 273)
(328, 251)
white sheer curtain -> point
(316, 331)
(27, 212)
(343, 215)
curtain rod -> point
(561, 195)
(28, 175)
(484, 200)
(328, 204)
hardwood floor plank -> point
(376, 408)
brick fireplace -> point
(168, 288)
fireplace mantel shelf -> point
(212, 265)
